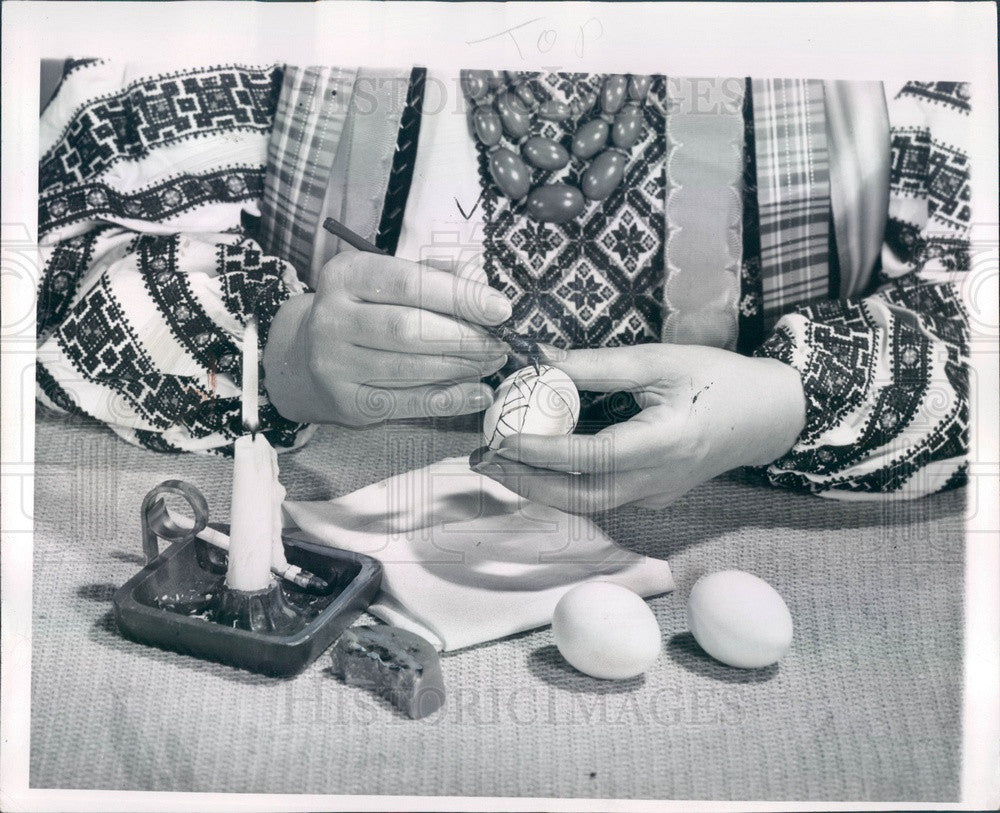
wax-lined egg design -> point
(542, 402)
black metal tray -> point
(190, 567)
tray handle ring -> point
(156, 521)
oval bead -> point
(474, 84)
(588, 103)
(556, 203)
(510, 173)
(638, 87)
(603, 175)
(525, 94)
(590, 138)
(486, 120)
(627, 127)
(613, 93)
(513, 115)
(495, 78)
(545, 153)
(554, 110)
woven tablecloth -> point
(866, 705)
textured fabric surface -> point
(750, 332)
(142, 147)
(152, 343)
(597, 280)
(856, 124)
(866, 705)
(704, 235)
(793, 191)
(404, 160)
(929, 188)
(147, 274)
(357, 181)
(886, 383)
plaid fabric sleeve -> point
(309, 122)
(793, 192)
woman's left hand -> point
(704, 411)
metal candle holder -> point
(180, 600)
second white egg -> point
(606, 631)
(739, 619)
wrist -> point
(287, 379)
(778, 410)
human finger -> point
(394, 281)
(382, 403)
(402, 370)
(412, 330)
(617, 448)
(613, 369)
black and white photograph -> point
(537, 406)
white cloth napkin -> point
(466, 560)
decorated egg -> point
(545, 402)
(739, 619)
(606, 631)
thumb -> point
(613, 369)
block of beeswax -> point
(395, 664)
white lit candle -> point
(278, 561)
(256, 496)
(251, 380)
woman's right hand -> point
(384, 338)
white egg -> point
(545, 402)
(606, 631)
(739, 619)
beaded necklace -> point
(497, 110)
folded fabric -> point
(464, 559)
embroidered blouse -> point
(172, 205)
